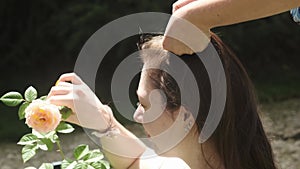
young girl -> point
(239, 141)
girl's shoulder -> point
(151, 160)
(162, 163)
(174, 163)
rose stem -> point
(60, 150)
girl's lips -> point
(138, 116)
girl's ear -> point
(184, 115)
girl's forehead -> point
(143, 87)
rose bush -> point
(46, 121)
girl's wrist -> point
(108, 117)
(110, 120)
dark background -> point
(41, 39)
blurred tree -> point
(40, 39)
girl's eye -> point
(139, 104)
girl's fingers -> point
(59, 90)
(64, 84)
(71, 77)
(61, 100)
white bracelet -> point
(110, 131)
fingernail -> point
(56, 82)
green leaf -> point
(65, 112)
(43, 98)
(46, 166)
(51, 135)
(93, 156)
(98, 165)
(21, 111)
(38, 134)
(45, 144)
(80, 151)
(28, 151)
(28, 139)
(64, 128)
(90, 167)
(54, 138)
(30, 94)
(105, 164)
(82, 165)
(30, 168)
(42, 146)
(67, 164)
(12, 99)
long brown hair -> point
(239, 139)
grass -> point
(278, 86)
(270, 92)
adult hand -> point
(87, 109)
(172, 44)
(185, 34)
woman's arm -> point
(122, 149)
(214, 13)
(207, 14)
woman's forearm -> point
(208, 14)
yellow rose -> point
(42, 116)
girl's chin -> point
(138, 118)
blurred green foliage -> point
(41, 39)
(269, 49)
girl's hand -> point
(87, 109)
